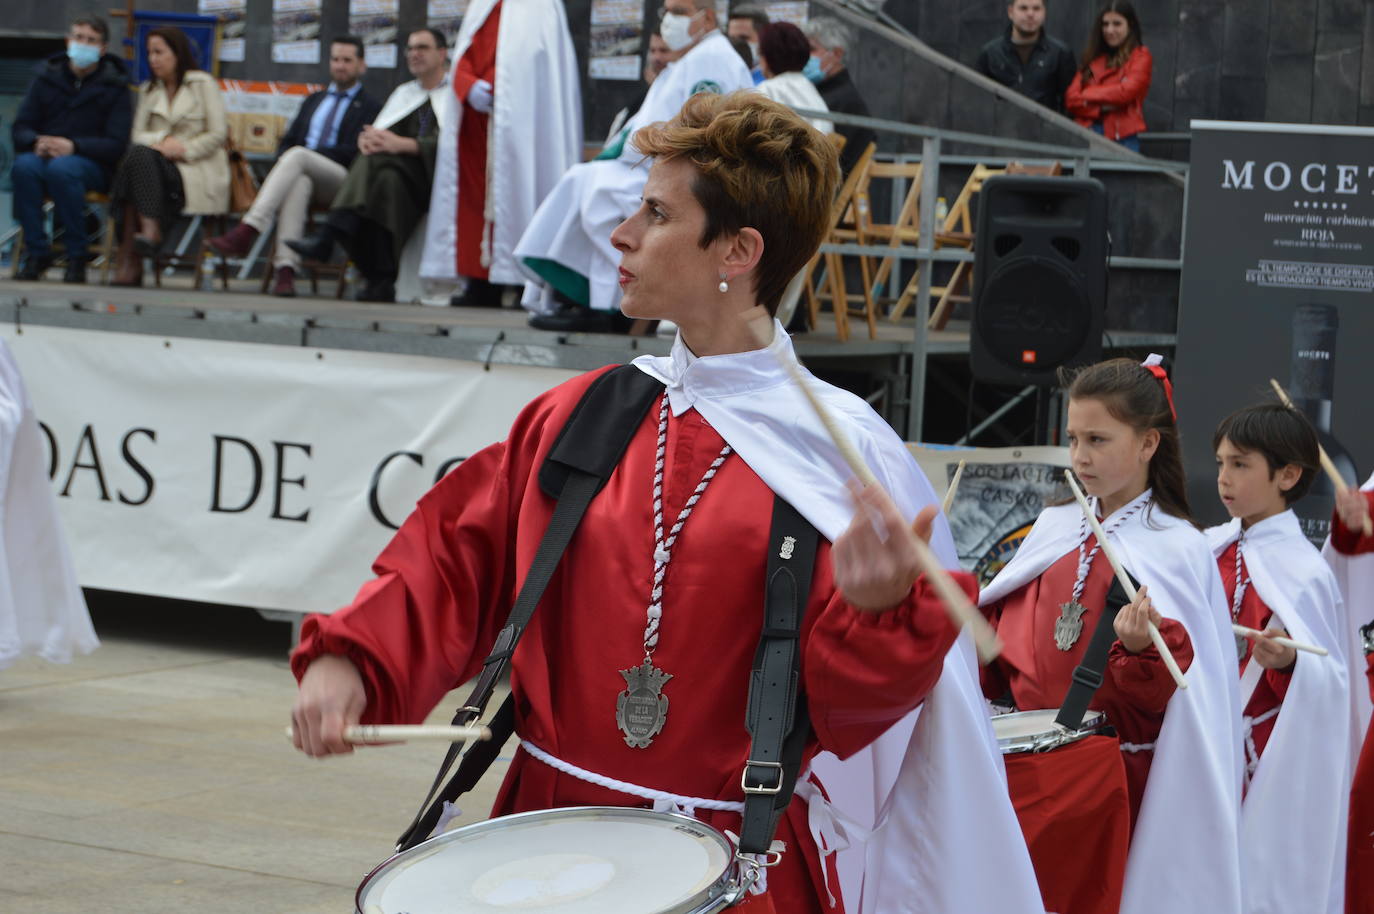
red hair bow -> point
(1155, 367)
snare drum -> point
(1036, 731)
(580, 860)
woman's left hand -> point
(1273, 656)
(1133, 622)
(875, 559)
(172, 148)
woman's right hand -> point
(331, 697)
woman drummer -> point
(663, 582)
(1174, 800)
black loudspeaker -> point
(1040, 278)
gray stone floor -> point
(153, 776)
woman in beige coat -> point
(177, 162)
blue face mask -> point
(812, 70)
(82, 55)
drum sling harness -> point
(1087, 676)
(586, 452)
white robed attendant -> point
(42, 610)
(1184, 855)
(1355, 579)
(535, 135)
(925, 808)
(1292, 827)
(572, 228)
(798, 93)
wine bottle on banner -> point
(1312, 385)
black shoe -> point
(145, 246)
(479, 294)
(75, 272)
(35, 265)
(378, 290)
(581, 319)
(319, 246)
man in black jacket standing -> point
(313, 160)
(831, 44)
(71, 129)
(1028, 60)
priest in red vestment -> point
(1353, 510)
(668, 563)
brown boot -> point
(128, 265)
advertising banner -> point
(1278, 271)
(255, 475)
(1001, 493)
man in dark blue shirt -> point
(1028, 60)
(313, 160)
(69, 134)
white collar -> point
(690, 378)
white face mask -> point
(754, 52)
(676, 30)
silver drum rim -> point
(1051, 738)
(707, 901)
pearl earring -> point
(724, 286)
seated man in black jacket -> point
(831, 44)
(70, 132)
(1028, 60)
(313, 160)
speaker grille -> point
(1033, 312)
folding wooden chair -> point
(834, 263)
(94, 200)
(905, 227)
(315, 269)
(958, 287)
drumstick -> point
(392, 733)
(1337, 479)
(953, 487)
(1155, 637)
(1279, 639)
(961, 611)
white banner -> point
(257, 475)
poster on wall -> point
(374, 21)
(295, 31)
(446, 17)
(616, 34)
(787, 11)
(1000, 494)
(1278, 282)
(233, 25)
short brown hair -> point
(1283, 436)
(759, 166)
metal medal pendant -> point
(1242, 645)
(1069, 626)
(642, 708)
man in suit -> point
(313, 160)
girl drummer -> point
(1179, 748)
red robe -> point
(445, 583)
(477, 62)
(1359, 868)
(1135, 690)
(1273, 684)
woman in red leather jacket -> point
(1108, 93)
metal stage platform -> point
(878, 370)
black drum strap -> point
(777, 717)
(1088, 675)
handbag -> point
(243, 186)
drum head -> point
(583, 860)
(1036, 731)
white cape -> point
(573, 226)
(406, 97)
(42, 610)
(535, 134)
(1355, 577)
(1184, 855)
(796, 91)
(936, 777)
(1292, 843)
